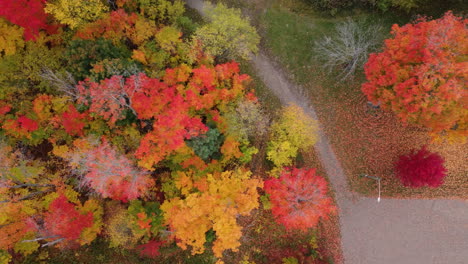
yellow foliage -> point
(120, 230)
(144, 30)
(139, 55)
(76, 12)
(26, 248)
(227, 195)
(293, 131)
(163, 11)
(5, 257)
(11, 38)
(230, 148)
(168, 38)
(61, 151)
(90, 233)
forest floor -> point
(404, 231)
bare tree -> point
(348, 48)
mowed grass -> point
(365, 140)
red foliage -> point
(73, 121)
(113, 175)
(107, 98)
(173, 122)
(21, 127)
(175, 104)
(4, 108)
(28, 14)
(421, 168)
(299, 198)
(27, 124)
(421, 74)
(64, 220)
(150, 249)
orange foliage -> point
(118, 25)
(222, 197)
(422, 74)
(299, 198)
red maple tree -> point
(299, 198)
(28, 14)
(421, 74)
(421, 168)
(150, 249)
(64, 220)
(74, 121)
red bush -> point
(421, 168)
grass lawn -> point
(366, 140)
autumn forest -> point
(130, 132)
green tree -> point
(228, 35)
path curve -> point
(394, 231)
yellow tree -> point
(11, 38)
(76, 12)
(293, 131)
(215, 204)
(228, 35)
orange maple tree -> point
(218, 200)
(422, 74)
(299, 198)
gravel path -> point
(392, 231)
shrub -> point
(348, 48)
(421, 168)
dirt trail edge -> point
(392, 231)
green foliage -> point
(247, 153)
(147, 218)
(187, 26)
(228, 35)
(331, 6)
(82, 54)
(405, 5)
(293, 131)
(75, 12)
(163, 11)
(207, 146)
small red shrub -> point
(421, 168)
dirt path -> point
(392, 231)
